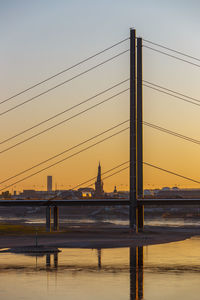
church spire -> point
(99, 193)
(99, 172)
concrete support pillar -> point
(139, 134)
(48, 219)
(56, 218)
(133, 175)
(140, 217)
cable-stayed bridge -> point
(134, 125)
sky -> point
(41, 38)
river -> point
(167, 271)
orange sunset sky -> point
(41, 38)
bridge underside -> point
(99, 202)
(49, 204)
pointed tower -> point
(99, 192)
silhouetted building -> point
(178, 193)
(49, 183)
(99, 192)
(33, 194)
(28, 194)
(115, 190)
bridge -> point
(54, 204)
(137, 201)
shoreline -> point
(90, 237)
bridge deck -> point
(99, 202)
(80, 202)
(168, 202)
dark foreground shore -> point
(91, 237)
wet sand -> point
(99, 238)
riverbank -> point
(90, 237)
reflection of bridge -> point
(135, 269)
(48, 260)
(136, 273)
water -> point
(168, 271)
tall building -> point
(99, 192)
(49, 183)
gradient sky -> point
(40, 38)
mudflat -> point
(96, 237)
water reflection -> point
(99, 258)
(136, 273)
(135, 269)
(55, 260)
(165, 271)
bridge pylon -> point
(136, 213)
